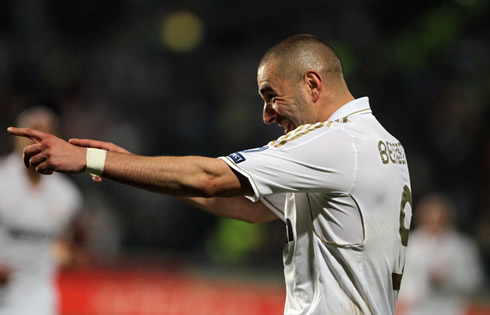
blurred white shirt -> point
(31, 220)
(454, 259)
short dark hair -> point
(33, 114)
(303, 52)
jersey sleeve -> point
(318, 162)
(275, 203)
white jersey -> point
(31, 219)
(342, 187)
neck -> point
(33, 176)
(333, 103)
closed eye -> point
(267, 93)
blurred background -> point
(179, 78)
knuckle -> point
(51, 162)
(48, 142)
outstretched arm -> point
(192, 179)
(239, 208)
(179, 176)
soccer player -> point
(443, 265)
(35, 213)
(337, 179)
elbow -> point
(208, 191)
(214, 187)
(254, 220)
(261, 217)
(256, 212)
(219, 180)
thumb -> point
(79, 142)
(89, 143)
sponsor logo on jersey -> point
(237, 157)
(25, 235)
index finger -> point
(30, 133)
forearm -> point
(178, 176)
(192, 179)
(239, 208)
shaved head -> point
(301, 82)
(38, 116)
(299, 53)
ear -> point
(314, 84)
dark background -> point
(109, 71)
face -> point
(433, 218)
(284, 103)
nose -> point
(269, 114)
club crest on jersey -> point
(237, 157)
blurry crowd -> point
(116, 71)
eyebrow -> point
(266, 88)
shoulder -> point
(313, 135)
(10, 165)
(3, 165)
(8, 160)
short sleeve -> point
(317, 162)
(275, 203)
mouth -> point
(287, 126)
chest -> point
(28, 212)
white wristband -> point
(95, 161)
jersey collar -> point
(356, 107)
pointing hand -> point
(49, 153)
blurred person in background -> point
(443, 266)
(36, 216)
